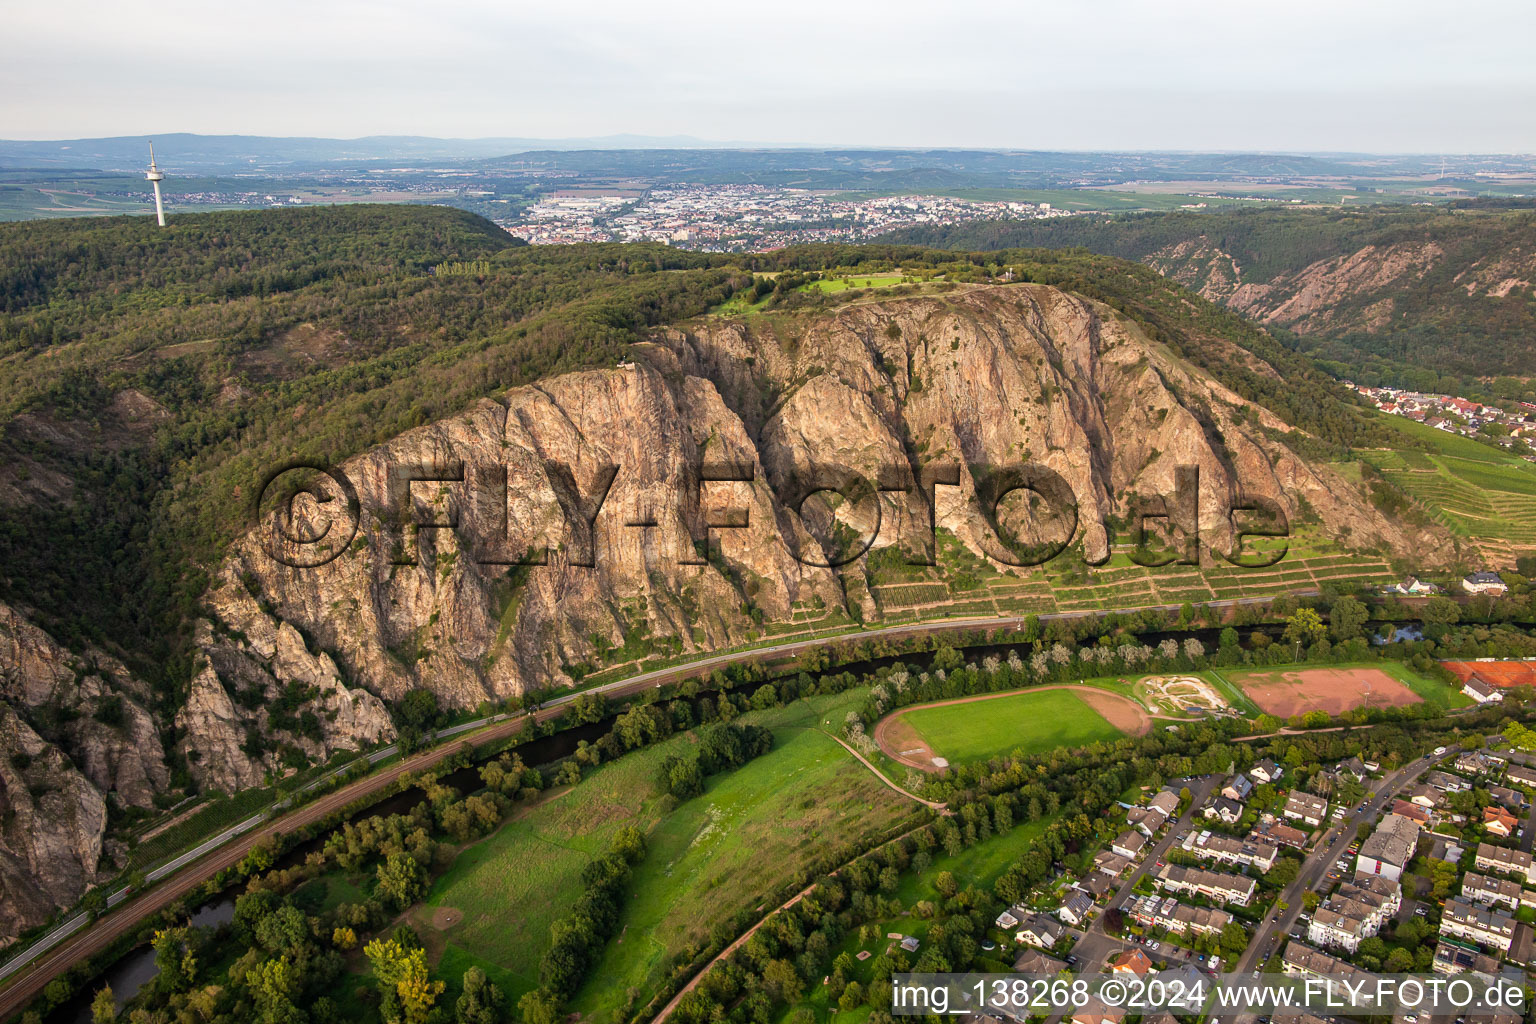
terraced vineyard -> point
(1123, 584)
(1476, 492)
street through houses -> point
(1096, 946)
(1332, 846)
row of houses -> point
(1499, 860)
(1168, 914)
(1495, 892)
(1488, 928)
(1213, 885)
(1252, 853)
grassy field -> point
(1032, 722)
(1432, 690)
(751, 832)
(842, 284)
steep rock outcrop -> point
(983, 377)
(51, 825)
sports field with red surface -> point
(1499, 673)
(1287, 692)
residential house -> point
(1096, 1011)
(1076, 908)
(1413, 587)
(1484, 583)
(1304, 807)
(1224, 810)
(1408, 810)
(1033, 961)
(1352, 766)
(1491, 891)
(1462, 919)
(1131, 961)
(1166, 801)
(1504, 862)
(1521, 775)
(1128, 845)
(1425, 796)
(1267, 771)
(1281, 835)
(1213, 885)
(1472, 762)
(1511, 798)
(1445, 782)
(1453, 957)
(1499, 821)
(1099, 884)
(1040, 931)
(1007, 919)
(1388, 850)
(1481, 690)
(1170, 915)
(1237, 788)
(1110, 863)
(1146, 820)
(1227, 850)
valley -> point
(235, 683)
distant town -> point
(745, 218)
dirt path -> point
(900, 742)
(934, 804)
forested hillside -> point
(150, 378)
(1426, 297)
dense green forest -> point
(149, 379)
(1441, 336)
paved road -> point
(1332, 846)
(1097, 946)
(61, 948)
(13, 997)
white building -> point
(1389, 849)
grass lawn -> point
(750, 834)
(1032, 722)
(841, 284)
(1432, 690)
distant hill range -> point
(700, 161)
(1422, 297)
(186, 151)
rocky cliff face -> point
(1356, 291)
(73, 731)
(983, 377)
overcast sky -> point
(1070, 74)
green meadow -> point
(753, 832)
(1031, 722)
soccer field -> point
(1032, 722)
